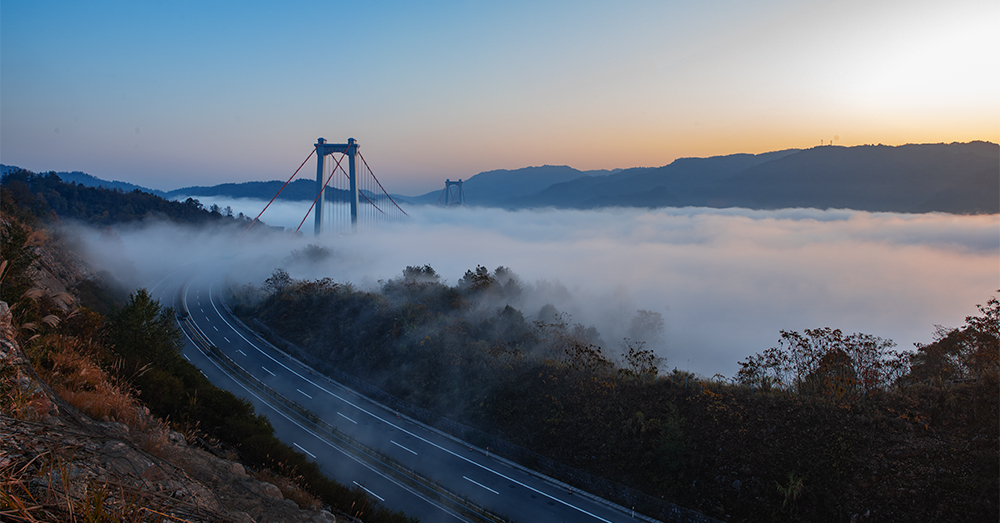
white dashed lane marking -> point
(404, 448)
(480, 484)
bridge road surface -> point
(505, 490)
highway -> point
(505, 489)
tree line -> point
(798, 434)
(31, 198)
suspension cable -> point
(279, 192)
(318, 195)
(361, 190)
(386, 193)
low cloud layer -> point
(725, 281)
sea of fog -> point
(725, 281)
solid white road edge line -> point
(362, 487)
(311, 455)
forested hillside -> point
(82, 178)
(46, 196)
(825, 426)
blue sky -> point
(183, 93)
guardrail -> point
(373, 457)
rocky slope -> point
(57, 463)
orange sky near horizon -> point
(193, 93)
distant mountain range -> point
(499, 187)
(958, 178)
(955, 178)
(301, 189)
(298, 190)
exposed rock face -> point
(57, 460)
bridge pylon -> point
(453, 193)
(322, 150)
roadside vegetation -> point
(825, 426)
(126, 366)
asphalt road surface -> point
(505, 489)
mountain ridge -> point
(499, 185)
(876, 177)
(959, 178)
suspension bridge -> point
(347, 199)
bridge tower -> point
(322, 150)
(453, 193)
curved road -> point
(465, 470)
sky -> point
(173, 94)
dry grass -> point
(20, 397)
(45, 478)
(77, 379)
(67, 366)
(46, 474)
(289, 488)
(42, 482)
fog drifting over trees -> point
(725, 281)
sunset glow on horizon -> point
(192, 94)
